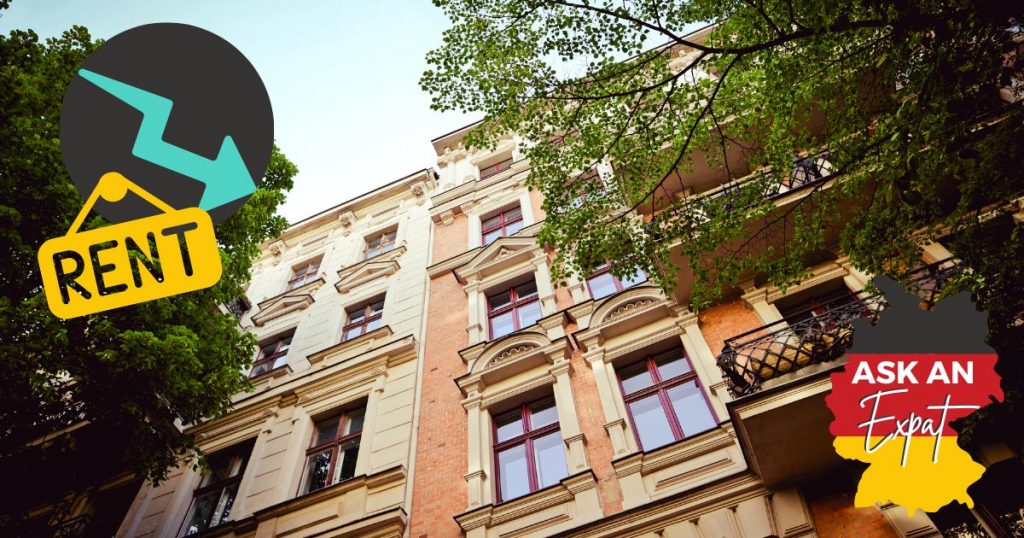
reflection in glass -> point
(549, 459)
(319, 465)
(691, 408)
(651, 422)
(513, 472)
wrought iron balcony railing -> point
(751, 358)
(815, 335)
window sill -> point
(259, 379)
(571, 502)
(350, 348)
(680, 466)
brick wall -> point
(831, 503)
(599, 446)
(439, 491)
(726, 320)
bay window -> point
(331, 456)
(528, 450)
(665, 400)
(513, 309)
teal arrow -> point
(226, 177)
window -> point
(501, 225)
(212, 500)
(304, 274)
(363, 319)
(496, 168)
(603, 283)
(513, 309)
(331, 457)
(273, 355)
(528, 451)
(815, 307)
(665, 400)
(379, 244)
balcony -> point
(779, 376)
(810, 337)
(814, 336)
(737, 195)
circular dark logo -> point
(175, 109)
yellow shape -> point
(921, 483)
(131, 262)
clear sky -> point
(342, 76)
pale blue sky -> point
(342, 77)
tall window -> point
(503, 224)
(665, 400)
(304, 274)
(363, 319)
(212, 500)
(603, 283)
(513, 309)
(273, 355)
(528, 451)
(380, 244)
(331, 457)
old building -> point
(608, 408)
(324, 444)
(420, 376)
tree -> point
(904, 97)
(134, 374)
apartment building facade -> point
(419, 375)
(324, 443)
(607, 408)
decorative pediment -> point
(627, 304)
(282, 305)
(490, 362)
(503, 253)
(365, 271)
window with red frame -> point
(513, 309)
(331, 456)
(603, 283)
(363, 319)
(304, 274)
(528, 453)
(213, 499)
(665, 400)
(273, 355)
(501, 225)
(379, 244)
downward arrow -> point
(226, 177)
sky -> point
(342, 77)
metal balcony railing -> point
(815, 335)
(785, 346)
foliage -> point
(892, 90)
(135, 373)
(903, 95)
